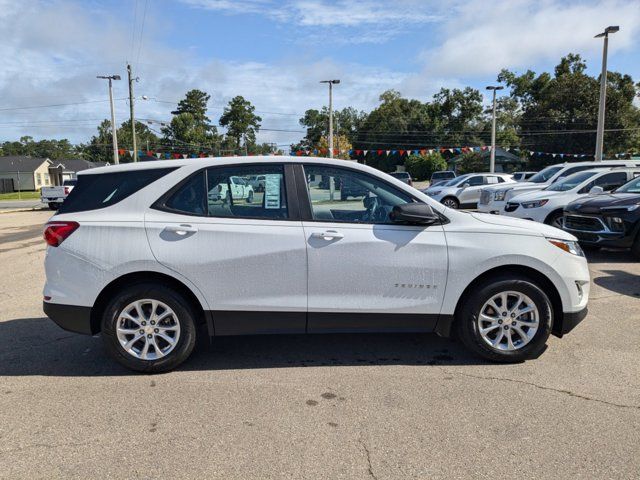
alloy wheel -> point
(508, 321)
(148, 329)
(451, 203)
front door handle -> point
(328, 235)
(182, 230)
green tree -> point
(559, 112)
(241, 122)
(420, 167)
(53, 149)
(345, 122)
(471, 162)
(190, 130)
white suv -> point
(547, 205)
(464, 191)
(145, 255)
(494, 198)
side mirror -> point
(596, 190)
(465, 185)
(414, 213)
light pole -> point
(331, 84)
(114, 135)
(492, 161)
(603, 91)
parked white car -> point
(547, 205)
(147, 259)
(464, 191)
(240, 190)
(54, 196)
(494, 198)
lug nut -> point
(499, 322)
(149, 335)
(506, 327)
(153, 322)
(513, 323)
(504, 314)
(141, 331)
(156, 330)
(513, 315)
(143, 323)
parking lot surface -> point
(327, 406)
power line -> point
(144, 16)
(5, 109)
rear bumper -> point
(569, 321)
(70, 317)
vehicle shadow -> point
(609, 256)
(35, 346)
(620, 281)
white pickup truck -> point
(54, 196)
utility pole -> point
(114, 134)
(331, 84)
(133, 119)
(492, 161)
(603, 91)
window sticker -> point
(272, 191)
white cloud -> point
(484, 36)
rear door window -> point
(95, 191)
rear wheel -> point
(635, 248)
(508, 320)
(149, 328)
(53, 206)
(250, 197)
(451, 202)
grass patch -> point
(23, 196)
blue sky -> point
(275, 52)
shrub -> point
(420, 167)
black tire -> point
(451, 202)
(468, 329)
(553, 218)
(185, 316)
(635, 248)
(53, 206)
(250, 197)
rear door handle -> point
(328, 235)
(181, 229)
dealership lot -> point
(329, 406)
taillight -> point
(66, 190)
(56, 232)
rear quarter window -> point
(95, 191)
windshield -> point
(456, 181)
(571, 181)
(544, 175)
(632, 187)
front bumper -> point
(72, 318)
(569, 321)
(492, 207)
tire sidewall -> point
(469, 329)
(185, 315)
(455, 204)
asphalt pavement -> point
(21, 204)
(325, 406)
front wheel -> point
(555, 220)
(149, 328)
(508, 320)
(451, 202)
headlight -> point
(568, 246)
(499, 195)
(536, 204)
(434, 192)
